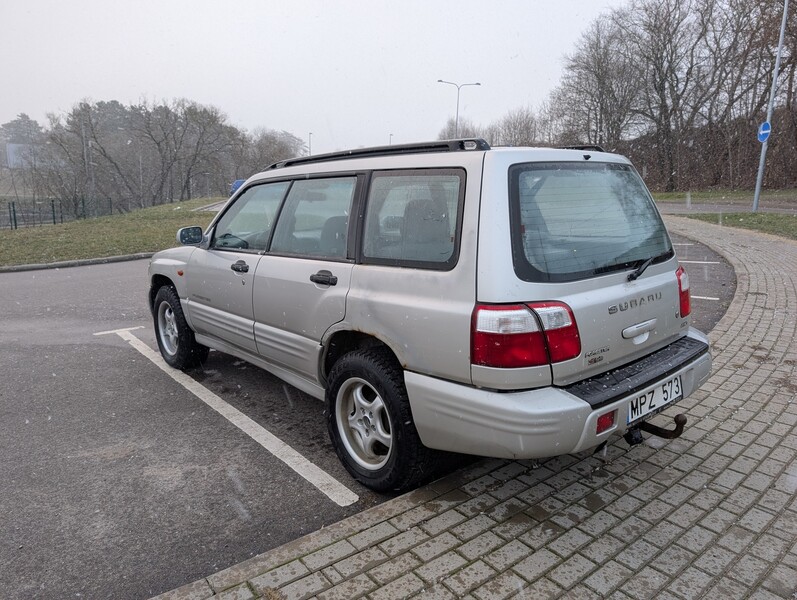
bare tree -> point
(466, 130)
(597, 97)
(266, 147)
(663, 39)
(21, 146)
(518, 128)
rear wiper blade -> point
(633, 275)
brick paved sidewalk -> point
(712, 514)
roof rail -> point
(592, 147)
(465, 144)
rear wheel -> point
(370, 422)
(176, 341)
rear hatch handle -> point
(630, 333)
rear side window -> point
(571, 221)
(413, 218)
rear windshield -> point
(572, 221)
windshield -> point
(574, 220)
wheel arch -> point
(158, 281)
(344, 341)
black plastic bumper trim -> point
(628, 379)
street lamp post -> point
(458, 86)
(390, 141)
(140, 175)
(310, 144)
(140, 169)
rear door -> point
(300, 285)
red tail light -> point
(683, 291)
(523, 335)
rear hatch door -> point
(588, 234)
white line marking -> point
(700, 262)
(119, 330)
(704, 298)
(336, 491)
(683, 244)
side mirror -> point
(189, 236)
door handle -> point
(240, 267)
(639, 328)
(324, 277)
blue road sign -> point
(763, 131)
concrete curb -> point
(75, 263)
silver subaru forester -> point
(448, 296)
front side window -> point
(315, 218)
(247, 224)
(571, 221)
(413, 218)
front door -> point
(221, 276)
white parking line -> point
(118, 330)
(331, 487)
(699, 262)
(682, 244)
(704, 298)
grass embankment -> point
(147, 230)
(783, 225)
(741, 198)
(739, 204)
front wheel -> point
(370, 422)
(176, 341)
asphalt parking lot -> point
(123, 482)
(118, 481)
(712, 279)
(709, 515)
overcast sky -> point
(350, 72)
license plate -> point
(654, 400)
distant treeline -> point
(680, 86)
(107, 157)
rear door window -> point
(315, 219)
(571, 221)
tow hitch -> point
(634, 435)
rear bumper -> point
(529, 424)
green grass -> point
(733, 197)
(147, 230)
(784, 225)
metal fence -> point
(26, 212)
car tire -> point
(176, 341)
(370, 423)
